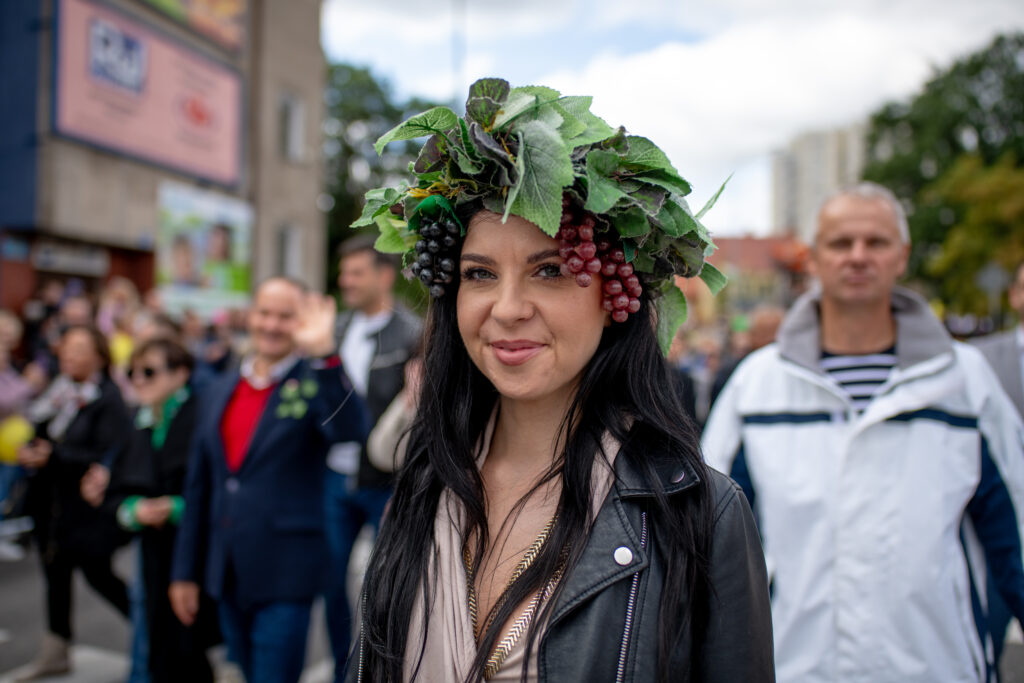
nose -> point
(859, 251)
(511, 305)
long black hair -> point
(626, 390)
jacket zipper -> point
(620, 672)
(362, 638)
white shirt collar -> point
(277, 371)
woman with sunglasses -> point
(553, 519)
(145, 490)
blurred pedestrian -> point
(80, 424)
(764, 324)
(146, 491)
(252, 532)
(1003, 351)
(377, 338)
(884, 463)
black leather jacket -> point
(605, 624)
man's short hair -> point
(874, 192)
(174, 352)
(287, 279)
(365, 242)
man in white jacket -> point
(885, 465)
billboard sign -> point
(123, 87)
(203, 249)
(222, 21)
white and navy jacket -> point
(878, 528)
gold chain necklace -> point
(522, 623)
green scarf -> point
(146, 418)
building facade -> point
(813, 166)
(173, 142)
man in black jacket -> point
(377, 338)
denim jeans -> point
(140, 626)
(267, 641)
(348, 509)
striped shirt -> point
(860, 375)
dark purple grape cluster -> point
(436, 253)
(583, 257)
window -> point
(292, 128)
(289, 251)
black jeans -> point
(58, 567)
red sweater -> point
(241, 416)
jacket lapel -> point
(268, 420)
(220, 394)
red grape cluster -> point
(583, 257)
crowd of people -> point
(561, 510)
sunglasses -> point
(145, 372)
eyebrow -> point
(533, 258)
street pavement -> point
(102, 637)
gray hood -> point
(919, 334)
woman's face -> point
(77, 355)
(154, 383)
(529, 329)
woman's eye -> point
(550, 270)
(476, 274)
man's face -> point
(272, 319)
(858, 255)
(363, 284)
(1016, 293)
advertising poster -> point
(203, 250)
(223, 21)
(123, 87)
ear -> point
(904, 259)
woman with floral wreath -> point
(553, 519)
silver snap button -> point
(623, 555)
(232, 485)
(679, 476)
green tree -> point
(975, 107)
(989, 201)
(361, 108)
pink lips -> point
(515, 352)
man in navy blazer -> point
(252, 534)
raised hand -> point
(314, 333)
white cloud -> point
(741, 78)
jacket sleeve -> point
(340, 412)
(996, 509)
(190, 544)
(738, 643)
(722, 441)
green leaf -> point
(649, 198)
(596, 131)
(642, 154)
(522, 100)
(545, 169)
(666, 180)
(495, 88)
(631, 222)
(485, 99)
(390, 240)
(602, 191)
(714, 198)
(671, 308)
(541, 92)
(675, 218)
(643, 262)
(713, 278)
(378, 201)
(431, 156)
(436, 120)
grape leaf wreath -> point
(613, 200)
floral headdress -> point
(613, 200)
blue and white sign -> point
(116, 57)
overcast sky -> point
(717, 84)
